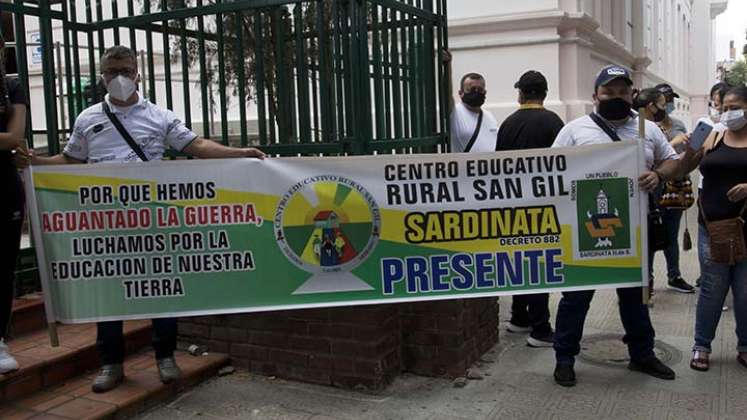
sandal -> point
(741, 359)
(701, 363)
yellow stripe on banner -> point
(71, 183)
(393, 230)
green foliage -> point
(737, 75)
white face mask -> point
(121, 88)
(715, 114)
(734, 120)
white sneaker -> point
(517, 329)
(7, 362)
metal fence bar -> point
(185, 71)
(48, 75)
(222, 78)
(302, 77)
(115, 15)
(131, 12)
(167, 60)
(100, 31)
(240, 61)
(151, 93)
(91, 52)
(78, 88)
(203, 74)
(259, 77)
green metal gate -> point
(323, 77)
(292, 77)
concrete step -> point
(28, 315)
(44, 366)
(140, 390)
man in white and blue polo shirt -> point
(96, 139)
(614, 120)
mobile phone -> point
(699, 135)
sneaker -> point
(564, 375)
(109, 377)
(653, 367)
(7, 362)
(680, 285)
(538, 340)
(519, 329)
(168, 370)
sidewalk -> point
(516, 380)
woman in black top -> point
(12, 132)
(724, 169)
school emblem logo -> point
(602, 207)
(328, 225)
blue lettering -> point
(438, 271)
(417, 269)
(481, 270)
(534, 266)
(392, 270)
(466, 279)
(551, 265)
(514, 271)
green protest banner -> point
(175, 238)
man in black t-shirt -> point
(531, 127)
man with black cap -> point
(614, 120)
(530, 127)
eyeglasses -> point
(112, 73)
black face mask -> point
(474, 99)
(660, 115)
(614, 109)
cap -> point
(610, 73)
(532, 81)
(667, 91)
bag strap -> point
(604, 126)
(123, 132)
(475, 134)
(702, 212)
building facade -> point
(661, 41)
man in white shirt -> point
(613, 98)
(472, 129)
(96, 139)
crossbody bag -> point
(123, 132)
(726, 237)
(472, 141)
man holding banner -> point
(613, 120)
(126, 127)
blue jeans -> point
(715, 281)
(569, 324)
(671, 220)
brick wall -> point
(446, 337)
(353, 347)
